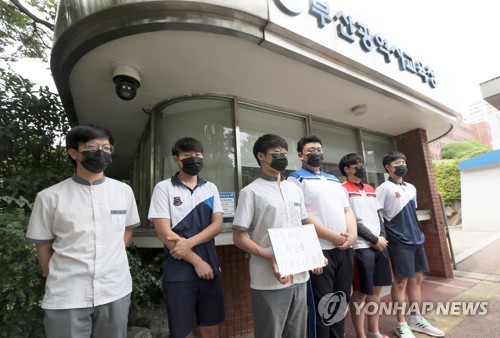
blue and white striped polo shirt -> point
(399, 201)
(190, 212)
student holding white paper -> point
(279, 302)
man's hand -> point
(339, 241)
(203, 270)
(317, 271)
(283, 280)
(349, 241)
(381, 244)
(182, 247)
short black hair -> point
(186, 144)
(311, 138)
(348, 160)
(392, 156)
(85, 133)
(266, 142)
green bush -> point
(447, 180)
(21, 280)
(446, 170)
(145, 267)
(23, 285)
(458, 150)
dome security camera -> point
(127, 79)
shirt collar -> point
(83, 181)
(177, 181)
(271, 178)
(312, 172)
(396, 182)
(360, 185)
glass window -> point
(208, 120)
(376, 146)
(336, 141)
(255, 122)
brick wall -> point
(236, 282)
(419, 161)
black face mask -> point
(360, 171)
(192, 165)
(315, 159)
(279, 162)
(401, 170)
(95, 161)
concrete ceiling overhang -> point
(490, 91)
(220, 52)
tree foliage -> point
(32, 123)
(446, 170)
(20, 276)
(458, 150)
(26, 29)
(447, 180)
(32, 157)
(32, 126)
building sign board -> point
(350, 30)
(227, 200)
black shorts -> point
(406, 261)
(371, 268)
(203, 298)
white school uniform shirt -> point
(263, 204)
(86, 226)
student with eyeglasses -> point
(81, 227)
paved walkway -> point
(476, 280)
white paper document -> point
(296, 249)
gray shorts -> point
(103, 321)
(280, 313)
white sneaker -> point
(404, 331)
(420, 324)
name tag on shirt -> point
(118, 219)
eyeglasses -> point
(94, 146)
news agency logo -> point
(332, 307)
(292, 7)
(452, 308)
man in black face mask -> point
(187, 214)
(406, 246)
(270, 201)
(372, 268)
(81, 227)
(326, 200)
